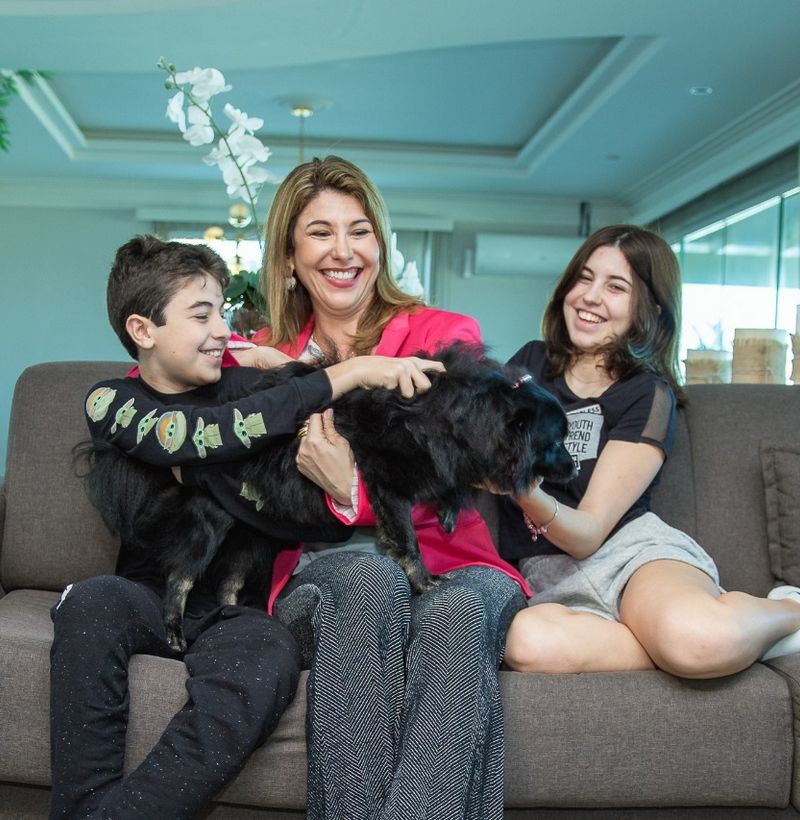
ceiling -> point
(568, 100)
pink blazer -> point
(470, 543)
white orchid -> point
(238, 150)
(205, 82)
(406, 276)
(175, 110)
(248, 147)
(241, 121)
(200, 131)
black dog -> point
(480, 424)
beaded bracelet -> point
(535, 530)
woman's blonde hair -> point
(289, 310)
(652, 341)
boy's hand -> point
(262, 357)
(406, 374)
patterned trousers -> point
(405, 718)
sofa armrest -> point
(788, 667)
(2, 519)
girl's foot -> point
(791, 643)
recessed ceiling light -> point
(701, 90)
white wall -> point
(509, 308)
(54, 269)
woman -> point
(405, 717)
(614, 587)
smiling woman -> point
(403, 691)
(336, 258)
(330, 226)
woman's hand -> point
(406, 374)
(262, 357)
(326, 459)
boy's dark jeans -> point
(243, 667)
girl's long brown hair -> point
(652, 342)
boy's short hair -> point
(147, 273)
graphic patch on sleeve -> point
(146, 424)
(248, 427)
(124, 415)
(206, 436)
(99, 401)
(248, 493)
(171, 430)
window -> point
(742, 271)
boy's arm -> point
(122, 412)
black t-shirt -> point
(640, 408)
(201, 427)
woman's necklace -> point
(316, 350)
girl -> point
(614, 587)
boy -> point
(164, 303)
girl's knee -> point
(538, 640)
(694, 645)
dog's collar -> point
(521, 380)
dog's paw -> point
(447, 519)
(175, 637)
(418, 576)
(431, 582)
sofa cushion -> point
(781, 466)
(52, 535)
(631, 739)
(274, 776)
(725, 426)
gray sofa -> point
(640, 744)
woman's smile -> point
(336, 255)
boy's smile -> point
(186, 351)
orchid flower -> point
(200, 132)
(238, 150)
(241, 121)
(175, 111)
(206, 83)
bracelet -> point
(535, 530)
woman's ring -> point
(303, 431)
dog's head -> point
(513, 428)
(534, 447)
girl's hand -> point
(326, 459)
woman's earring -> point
(291, 283)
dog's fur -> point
(480, 424)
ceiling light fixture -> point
(701, 90)
(302, 112)
(302, 106)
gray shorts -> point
(595, 584)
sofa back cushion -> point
(52, 534)
(713, 485)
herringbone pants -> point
(405, 719)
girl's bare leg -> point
(689, 629)
(553, 638)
